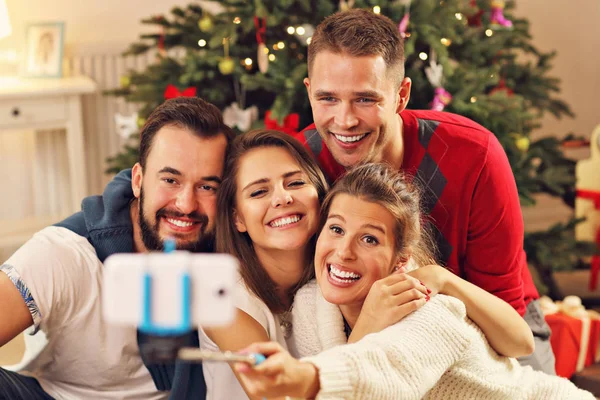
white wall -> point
(573, 30)
(88, 22)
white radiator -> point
(101, 137)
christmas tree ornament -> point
(226, 65)
(290, 123)
(236, 117)
(161, 42)
(206, 24)
(435, 76)
(141, 121)
(474, 17)
(403, 25)
(441, 98)
(346, 5)
(521, 142)
(171, 92)
(262, 54)
(262, 58)
(502, 88)
(497, 18)
(124, 81)
(126, 125)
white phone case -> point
(212, 280)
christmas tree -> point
(473, 58)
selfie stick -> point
(195, 354)
(185, 325)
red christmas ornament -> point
(502, 88)
(475, 19)
(290, 123)
(172, 92)
(161, 37)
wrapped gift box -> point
(575, 335)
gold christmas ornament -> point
(124, 81)
(522, 143)
(226, 66)
(206, 23)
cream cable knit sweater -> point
(434, 353)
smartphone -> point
(168, 294)
(193, 354)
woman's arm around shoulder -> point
(506, 331)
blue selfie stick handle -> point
(258, 358)
(170, 245)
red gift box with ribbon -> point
(575, 334)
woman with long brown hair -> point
(267, 216)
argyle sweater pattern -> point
(469, 198)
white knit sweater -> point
(434, 353)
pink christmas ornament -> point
(403, 25)
(441, 99)
(497, 16)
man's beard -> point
(153, 242)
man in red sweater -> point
(359, 94)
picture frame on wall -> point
(44, 44)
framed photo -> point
(44, 49)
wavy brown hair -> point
(381, 184)
(230, 240)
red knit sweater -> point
(470, 196)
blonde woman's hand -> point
(279, 375)
(390, 299)
(434, 277)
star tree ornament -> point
(435, 76)
(262, 55)
(235, 117)
(126, 125)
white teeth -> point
(342, 276)
(182, 224)
(349, 139)
(285, 221)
